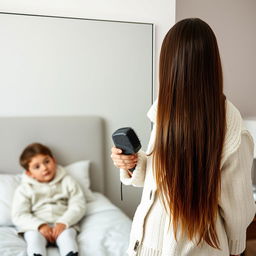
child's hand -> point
(57, 230)
(46, 231)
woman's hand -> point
(122, 161)
(57, 230)
(46, 231)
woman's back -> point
(151, 223)
(197, 197)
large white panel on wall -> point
(71, 66)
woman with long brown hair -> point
(197, 198)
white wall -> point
(161, 13)
(234, 23)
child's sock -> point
(72, 254)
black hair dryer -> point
(127, 140)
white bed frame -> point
(70, 138)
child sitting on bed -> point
(48, 204)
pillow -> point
(8, 184)
(80, 172)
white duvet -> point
(104, 232)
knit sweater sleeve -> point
(22, 215)
(138, 175)
(237, 206)
(76, 203)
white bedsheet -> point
(104, 232)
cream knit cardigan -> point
(150, 235)
(59, 201)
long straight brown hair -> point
(190, 129)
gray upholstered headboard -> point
(70, 138)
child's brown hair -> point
(32, 150)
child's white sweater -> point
(59, 201)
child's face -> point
(42, 168)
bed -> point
(78, 145)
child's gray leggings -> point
(36, 242)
